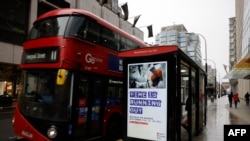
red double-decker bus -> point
(72, 78)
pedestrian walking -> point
(236, 99)
(247, 95)
(230, 99)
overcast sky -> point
(207, 17)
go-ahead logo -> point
(90, 59)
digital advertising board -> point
(147, 101)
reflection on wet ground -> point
(218, 114)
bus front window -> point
(49, 27)
(43, 98)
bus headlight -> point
(52, 132)
(13, 120)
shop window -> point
(14, 21)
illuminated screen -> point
(42, 55)
(147, 101)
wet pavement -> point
(218, 114)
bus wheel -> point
(114, 128)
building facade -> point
(232, 51)
(17, 17)
(178, 35)
(239, 59)
(243, 43)
(232, 42)
(189, 44)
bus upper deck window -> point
(61, 76)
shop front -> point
(10, 86)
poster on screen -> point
(147, 101)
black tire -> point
(114, 128)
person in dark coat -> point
(230, 99)
(247, 95)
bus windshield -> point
(49, 27)
(43, 98)
(81, 27)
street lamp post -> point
(205, 93)
(205, 113)
(215, 74)
(219, 83)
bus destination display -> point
(40, 55)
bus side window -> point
(82, 32)
(114, 95)
(120, 95)
(123, 44)
(77, 28)
(83, 88)
(109, 39)
(92, 32)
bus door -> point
(97, 106)
(90, 106)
